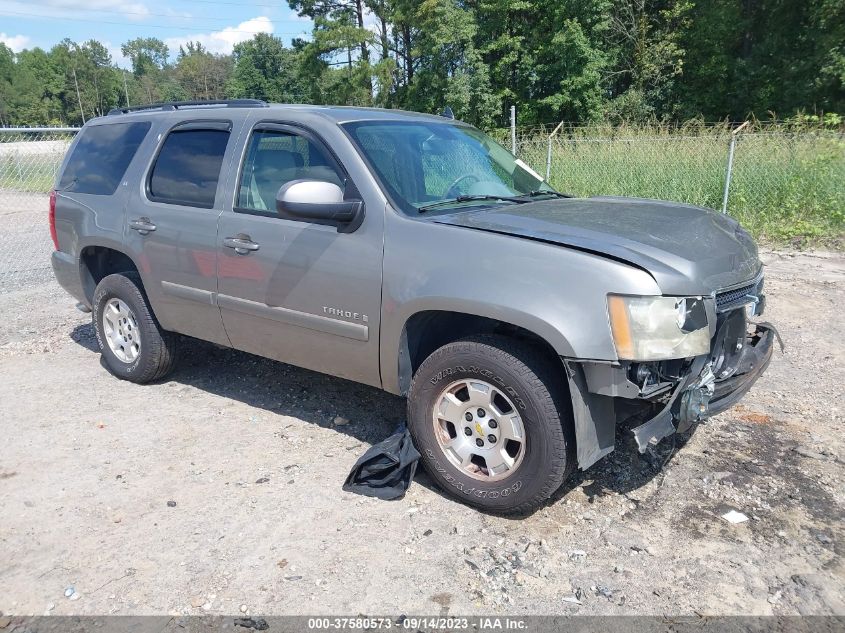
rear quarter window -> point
(101, 156)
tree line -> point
(575, 60)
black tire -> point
(157, 355)
(533, 381)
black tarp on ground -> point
(386, 469)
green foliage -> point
(575, 60)
(338, 31)
(577, 66)
(202, 75)
(148, 55)
(451, 69)
(265, 69)
(763, 56)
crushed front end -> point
(664, 396)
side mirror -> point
(319, 202)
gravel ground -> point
(219, 490)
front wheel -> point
(488, 415)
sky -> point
(217, 24)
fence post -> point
(513, 130)
(549, 152)
(730, 166)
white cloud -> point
(223, 41)
(16, 42)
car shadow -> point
(318, 399)
(625, 470)
(279, 388)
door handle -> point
(242, 244)
(142, 225)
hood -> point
(688, 250)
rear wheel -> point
(488, 415)
(133, 344)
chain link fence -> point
(785, 183)
(29, 159)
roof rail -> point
(175, 105)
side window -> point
(101, 156)
(187, 168)
(274, 158)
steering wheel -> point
(450, 193)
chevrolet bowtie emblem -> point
(478, 429)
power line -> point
(235, 4)
(161, 15)
(156, 15)
(154, 26)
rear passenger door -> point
(171, 227)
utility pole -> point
(125, 89)
(78, 97)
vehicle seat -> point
(270, 170)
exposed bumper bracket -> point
(697, 396)
(663, 424)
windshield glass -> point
(422, 163)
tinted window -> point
(101, 157)
(188, 167)
(275, 158)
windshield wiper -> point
(547, 192)
(522, 198)
(67, 187)
(469, 198)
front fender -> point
(559, 294)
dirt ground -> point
(219, 490)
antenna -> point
(447, 113)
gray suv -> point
(415, 254)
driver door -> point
(292, 290)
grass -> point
(31, 178)
(29, 160)
(788, 182)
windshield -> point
(429, 165)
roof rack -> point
(175, 105)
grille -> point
(730, 299)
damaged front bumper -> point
(700, 394)
(670, 396)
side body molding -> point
(355, 331)
(189, 293)
(316, 322)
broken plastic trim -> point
(663, 424)
(725, 393)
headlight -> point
(658, 328)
